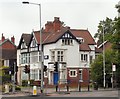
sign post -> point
(113, 70)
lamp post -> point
(103, 59)
(40, 42)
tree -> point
(118, 7)
(97, 68)
(4, 74)
(112, 34)
(116, 46)
(106, 27)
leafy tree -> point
(4, 74)
(106, 27)
(118, 7)
(116, 46)
(112, 34)
(97, 67)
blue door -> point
(55, 78)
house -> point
(107, 45)
(8, 51)
(72, 50)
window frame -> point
(67, 41)
(80, 74)
(84, 57)
(73, 73)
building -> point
(107, 45)
(8, 50)
(72, 50)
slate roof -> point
(26, 37)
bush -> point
(17, 88)
(24, 82)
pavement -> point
(73, 92)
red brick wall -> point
(8, 45)
(74, 81)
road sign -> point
(113, 67)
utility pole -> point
(104, 74)
(41, 48)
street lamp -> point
(103, 58)
(40, 42)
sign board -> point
(113, 67)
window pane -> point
(58, 52)
(73, 73)
(68, 41)
(63, 42)
(82, 57)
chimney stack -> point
(56, 24)
(48, 26)
(13, 39)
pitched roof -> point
(26, 38)
(97, 50)
(1, 43)
(52, 36)
(85, 34)
(49, 37)
(106, 44)
(84, 47)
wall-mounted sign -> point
(46, 57)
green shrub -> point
(24, 82)
(17, 88)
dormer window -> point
(33, 44)
(67, 42)
(81, 40)
(23, 45)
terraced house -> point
(72, 50)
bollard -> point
(34, 90)
(56, 88)
(67, 87)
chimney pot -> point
(56, 18)
(13, 39)
(56, 24)
(3, 38)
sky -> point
(17, 18)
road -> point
(50, 93)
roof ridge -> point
(6, 41)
